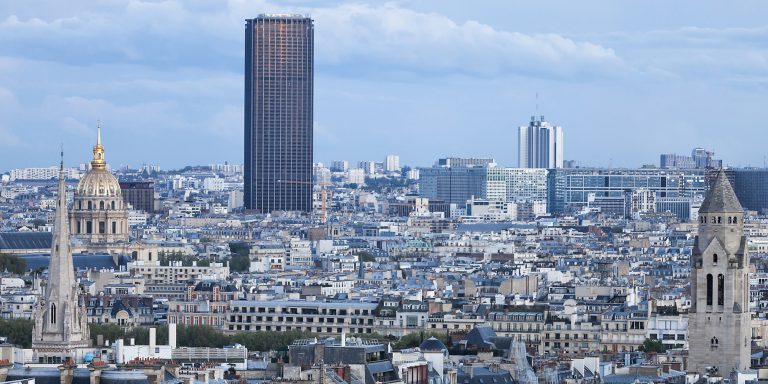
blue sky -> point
(422, 78)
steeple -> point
(98, 152)
(721, 197)
(60, 322)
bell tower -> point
(720, 321)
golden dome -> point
(98, 182)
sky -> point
(419, 78)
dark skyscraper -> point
(279, 86)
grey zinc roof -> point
(80, 261)
(721, 197)
(25, 240)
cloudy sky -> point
(419, 78)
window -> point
(53, 313)
(113, 205)
(709, 289)
(720, 289)
(101, 205)
(714, 258)
(114, 226)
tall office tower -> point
(540, 145)
(279, 86)
(719, 312)
(392, 163)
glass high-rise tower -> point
(279, 86)
(540, 145)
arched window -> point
(53, 313)
(101, 205)
(730, 220)
(720, 289)
(709, 289)
(714, 258)
(714, 220)
(735, 220)
(719, 219)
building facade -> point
(573, 189)
(324, 318)
(279, 88)
(719, 310)
(139, 194)
(751, 186)
(458, 184)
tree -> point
(240, 260)
(110, 332)
(18, 331)
(650, 345)
(366, 257)
(12, 263)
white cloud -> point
(391, 38)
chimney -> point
(152, 341)
(66, 372)
(172, 335)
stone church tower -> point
(719, 326)
(61, 328)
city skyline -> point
(137, 67)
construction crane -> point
(322, 193)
